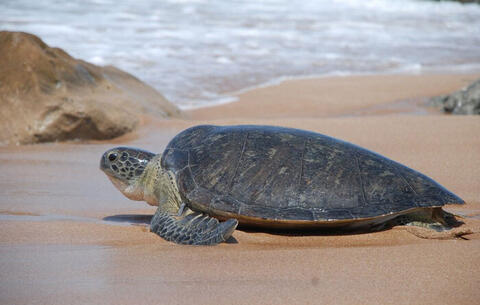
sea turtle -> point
(271, 177)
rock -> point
(465, 101)
(47, 95)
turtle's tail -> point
(192, 229)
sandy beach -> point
(67, 236)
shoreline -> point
(280, 100)
(232, 97)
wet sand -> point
(68, 237)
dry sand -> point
(55, 247)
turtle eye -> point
(112, 156)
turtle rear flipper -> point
(433, 223)
(192, 229)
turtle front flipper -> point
(192, 229)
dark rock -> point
(465, 101)
(47, 95)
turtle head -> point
(124, 166)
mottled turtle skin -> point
(283, 177)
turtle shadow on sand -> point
(452, 222)
(134, 219)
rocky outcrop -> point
(47, 95)
(465, 101)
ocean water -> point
(197, 52)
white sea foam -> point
(199, 52)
